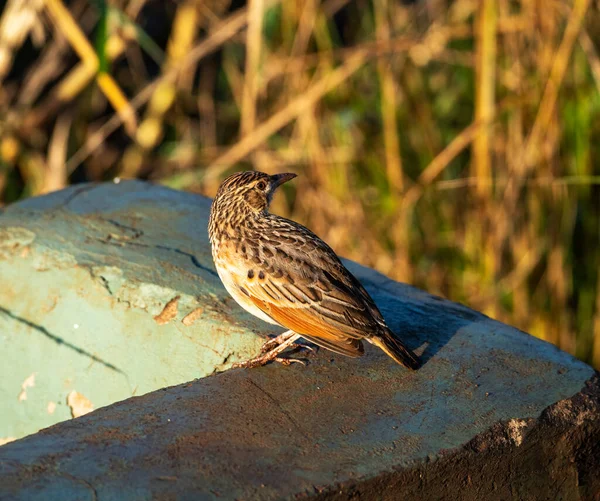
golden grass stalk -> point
(277, 66)
(441, 161)
(80, 76)
(502, 181)
(284, 116)
(557, 73)
(80, 44)
(393, 158)
(256, 12)
(224, 31)
(485, 86)
(306, 25)
(56, 172)
(19, 20)
(71, 85)
(592, 55)
(180, 42)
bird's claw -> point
(307, 347)
(289, 361)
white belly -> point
(227, 277)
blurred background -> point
(448, 144)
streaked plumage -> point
(281, 272)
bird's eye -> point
(261, 185)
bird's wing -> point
(311, 327)
(298, 281)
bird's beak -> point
(278, 179)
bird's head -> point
(251, 190)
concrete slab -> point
(87, 275)
(493, 412)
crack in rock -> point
(76, 193)
(59, 340)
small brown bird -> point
(284, 274)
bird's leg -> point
(273, 354)
(276, 341)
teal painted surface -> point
(84, 273)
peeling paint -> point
(45, 259)
(29, 382)
(13, 239)
(152, 297)
(145, 296)
(168, 313)
(49, 304)
(79, 404)
(191, 317)
(51, 407)
(142, 295)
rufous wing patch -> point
(303, 322)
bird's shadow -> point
(423, 320)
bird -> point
(281, 272)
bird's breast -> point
(232, 270)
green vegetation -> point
(451, 145)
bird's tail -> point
(396, 349)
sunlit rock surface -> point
(98, 285)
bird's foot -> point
(276, 341)
(265, 359)
(272, 349)
(282, 338)
(293, 346)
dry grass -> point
(448, 144)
